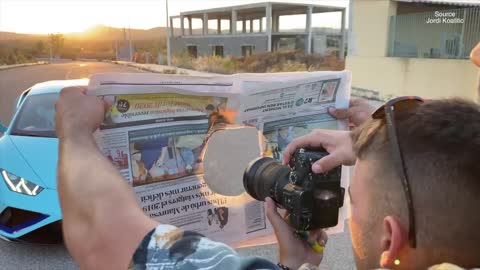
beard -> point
(366, 245)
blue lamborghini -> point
(29, 206)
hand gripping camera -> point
(312, 200)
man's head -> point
(440, 141)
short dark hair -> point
(440, 140)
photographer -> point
(104, 228)
(439, 144)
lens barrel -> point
(265, 177)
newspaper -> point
(156, 132)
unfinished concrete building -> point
(247, 29)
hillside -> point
(101, 32)
(98, 32)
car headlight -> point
(20, 185)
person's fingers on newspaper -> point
(358, 112)
(337, 143)
(77, 113)
(339, 113)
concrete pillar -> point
(244, 26)
(219, 26)
(351, 37)
(182, 25)
(190, 27)
(251, 25)
(171, 27)
(342, 40)
(261, 24)
(268, 15)
(308, 28)
(233, 23)
(205, 23)
(275, 23)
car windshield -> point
(36, 116)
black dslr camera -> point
(312, 200)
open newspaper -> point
(155, 134)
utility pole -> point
(169, 57)
(130, 43)
(50, 44)
(116, 49)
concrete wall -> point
(371, 20)
(393, 76)
(232, 45)
(428, 78)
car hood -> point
(42, 155)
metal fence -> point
(440, 34)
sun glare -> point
(66, 16)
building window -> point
(247, 50)
(217, 50)
(333, 42)
(192, 51)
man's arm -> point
(475, 55)
(102, 222)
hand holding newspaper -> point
(157, 129)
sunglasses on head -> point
(387, 112)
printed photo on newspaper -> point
(157, 127)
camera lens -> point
(265, 177)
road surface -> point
(14, 81)
(13, 256)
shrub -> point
(183, 60)
(282, 61)
(169, 71)
(215, 64)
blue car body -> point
(28, 163)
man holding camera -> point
(415, 181)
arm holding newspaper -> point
(103, 225)
(102, 222)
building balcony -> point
(444, 34)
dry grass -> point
(284, 61)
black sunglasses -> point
(387, 112)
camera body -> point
(312, 200)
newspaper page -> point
(286, 107)
(156, 132)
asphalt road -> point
(14, 81)
(338, 254)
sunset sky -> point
(52, 16)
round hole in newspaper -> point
(227, 155)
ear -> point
(394, 240)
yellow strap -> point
(317, 247)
